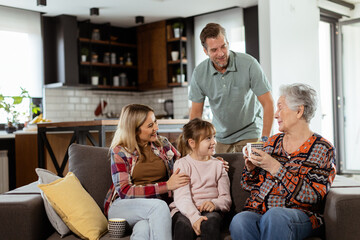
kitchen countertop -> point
(165, 125)
(172, 125)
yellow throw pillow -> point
(76, 207)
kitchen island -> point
(50, 142)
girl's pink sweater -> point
(209, 182)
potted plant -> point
(84, 54)
(178, 27)
(95, 78)
(8, 103)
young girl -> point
(197, 207)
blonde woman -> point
(141, 168)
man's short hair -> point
(211, 30)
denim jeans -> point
(210, 229)
(148, 218)
(277, 223)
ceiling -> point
(122, 13)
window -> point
(21, 54)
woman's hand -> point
(177, 180)
(225, 163)
(264, 161)
(207, 206)
(197, 224)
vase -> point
(10, 129)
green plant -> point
(84, 51)
(178, 25)
(8, 103)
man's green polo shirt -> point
(237, 114)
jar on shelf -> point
(94, 58)
(95, 34)
(106, 57)
(123, 80)
(113, 58)
(121, 60)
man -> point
(238, 92)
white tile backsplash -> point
(79, 105)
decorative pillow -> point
(46, 177)
(76, 207)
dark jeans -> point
(210, 229)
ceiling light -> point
(94, 11)
(41, 3)
(139, 19)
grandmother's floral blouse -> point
(302, 181)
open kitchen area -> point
(89, 66)
(92, 69)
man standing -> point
(238, 92)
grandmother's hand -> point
(264, 161)
(225, 163)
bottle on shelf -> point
(128, 60)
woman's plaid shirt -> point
(122, 166)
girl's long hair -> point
(197, 129)
(131, 118)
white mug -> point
(257, 145)
(175, 55)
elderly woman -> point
(141, 168)
(289, 180)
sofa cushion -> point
(46, 177)
(236, 167)
(91, 165)
(76, 207)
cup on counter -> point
(117, 227)
(174, 55)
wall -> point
(289, 50)
(66, 104)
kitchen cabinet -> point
(152, 56)
(110, 56)
(65, 39)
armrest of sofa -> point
(342, 213)
(23, 216)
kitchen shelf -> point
(99, 64)
(87, 40)
(115, 45)
(183, 39)
(182, 61)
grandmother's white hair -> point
(299, 94)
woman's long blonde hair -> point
(197, 129)
(131, 118)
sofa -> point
(23, 216)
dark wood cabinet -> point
(152, 60)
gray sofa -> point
(22, 213)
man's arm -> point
(196, 110)
(267, 103)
